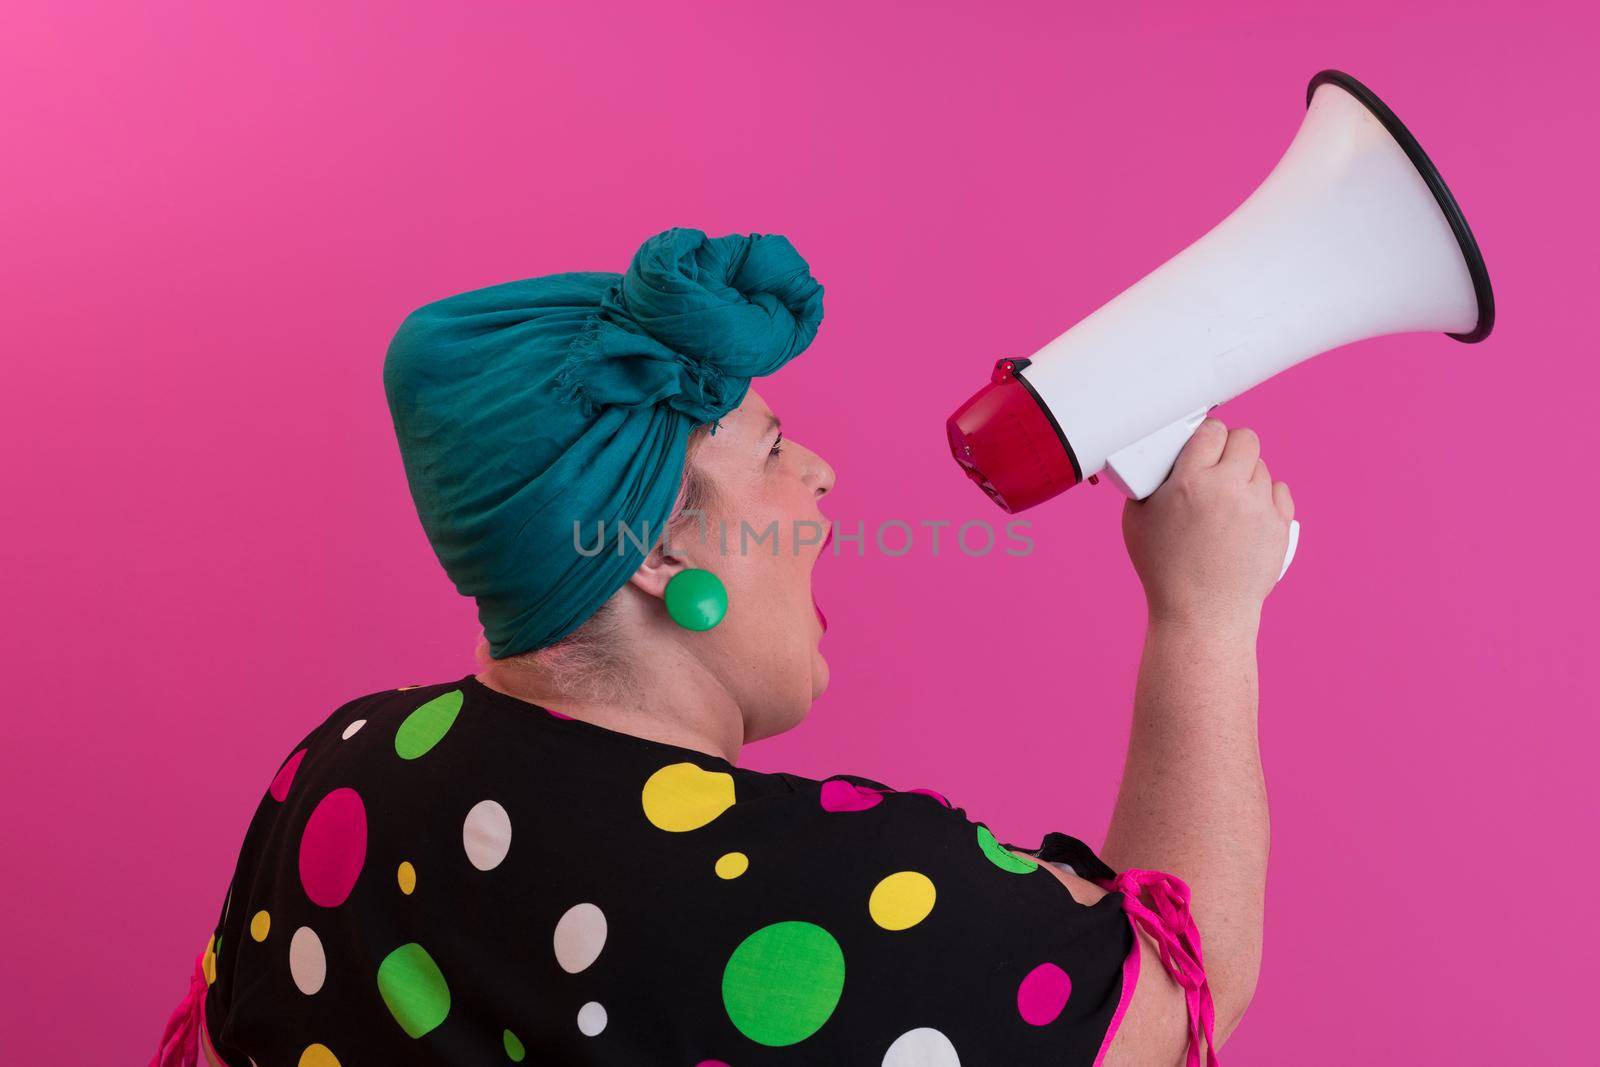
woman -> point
(557, 858)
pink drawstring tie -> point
(1172, 924)
(180, 1041)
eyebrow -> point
(773, 423)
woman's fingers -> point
(1204, 447)
(1283, 499)
(1242, 450)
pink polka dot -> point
(1043, 993)
(285, 776)
(711, 1063)
(333, 847)
(930, 793)
(843, 796)
(557, 714)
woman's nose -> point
(820, 473)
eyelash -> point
(777, 447)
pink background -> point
(214, 220)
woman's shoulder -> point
(419, 715)
(845, 810)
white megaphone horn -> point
(1352, 235)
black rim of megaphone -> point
(1441, 193)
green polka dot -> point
(514, 1047)
(427, 726)
(414, 990)
(783, 982)
(1001, 856)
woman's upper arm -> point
(1154, 1031)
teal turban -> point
(527, 408)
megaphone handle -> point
(1139, 469)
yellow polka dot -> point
(732, 865)
(260, 923)
(901, 900)
(407, 877)
(208, 964)
(318, 1056)
(681, 796)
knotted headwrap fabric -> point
(525, 408)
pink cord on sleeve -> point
(1169, 921)
(180, 1040)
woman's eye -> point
(777, 447)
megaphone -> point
(1353, 235)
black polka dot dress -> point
(448, 875)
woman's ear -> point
(656, 571)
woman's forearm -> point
(1193, 801)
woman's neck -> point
(682, 704)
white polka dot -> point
(591, 1018)
(1064, 866)
(580, 935)
(486, 835)
(924, 1047)
(307, 965)
(350, 731)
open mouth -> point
(821, 618)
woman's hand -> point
(1209, 544)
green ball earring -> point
(696, 599)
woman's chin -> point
(819, 675)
